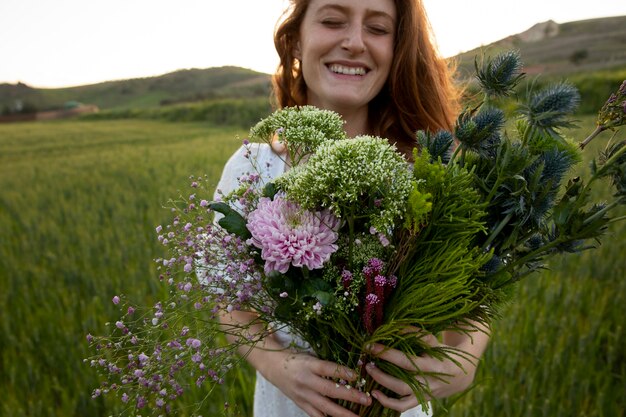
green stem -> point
(456, 152)
(608, 163)
(599, 129)
(600, 213)
(527, 131)
(617, 219)
(350, 238)
(497, 230)
(528, 257)
(463, 152)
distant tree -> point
(27, 108)
(578, 56)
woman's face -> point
(345, 50)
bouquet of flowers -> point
(355, 244)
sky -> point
(64, 43)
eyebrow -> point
(345, 9)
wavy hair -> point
(419, 93)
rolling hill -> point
(561, 49)
(179, 86)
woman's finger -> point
(339, 391)
(335, 381)
(392, 383)
(333, 370)
(399, 404)
(333, 409)
(401, 359)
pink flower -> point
(288, 235)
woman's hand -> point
(308, 381)
(451, 378)
(311, 383)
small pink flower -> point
(194, 343)
(371, 299)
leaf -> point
(232, 222)
(270, 190)
(318, 289)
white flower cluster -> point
(364, 177)
(302, 129)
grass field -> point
(78, 205)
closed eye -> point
(332, 23)
(378, 30)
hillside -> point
(179, 86)
(562, 49)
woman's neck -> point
(356, 119)
(356, 123)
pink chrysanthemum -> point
(288, 235)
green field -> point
(79, 201)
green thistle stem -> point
(608, 164)
(497, 230)
(528, 257)
(601, 212)
(455, 154)
(617, 219)
(593, 134)
(527, 132)
(350, 238)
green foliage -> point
(227, 112)
(78, 208)
(557, 350)
(231, 221)
(578, 56)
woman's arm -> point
(307, 381)
(472, 343)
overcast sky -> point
(75, 42)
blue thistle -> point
(500, 76)
(551, 108)
(492, 265)
(535, 242)
(438, 145)
(480, 131)
(555, 164)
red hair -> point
(418, 95)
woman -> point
(373, 62)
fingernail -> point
(372, 348)
(364, 400)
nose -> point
(353, 41)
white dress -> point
(269, 401)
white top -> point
(269, 401)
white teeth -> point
(340, 69)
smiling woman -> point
(406, 80)
(374, 63)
